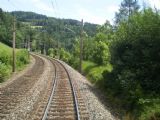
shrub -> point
(22, 58)
(4, 71)
(64, 55)
(5, 57)
(135, 58)
(52, 52)
(101, 54)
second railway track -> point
(10, 96)
(47, 90)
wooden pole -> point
(81, 48)
(13, 44)
(29, 48)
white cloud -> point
(90, 17)
(112, 8)
(155, 3)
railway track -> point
(61, 100)
(10, 96)
(64, 101)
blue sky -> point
(94, 11)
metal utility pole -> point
(81, 48)
(13, 45)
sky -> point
(93, 11)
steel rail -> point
(52, 93)
(73, 91)
(53, 89)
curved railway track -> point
(61, 100)
(64, 101)
(10, 96)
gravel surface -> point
(24, 109)
(18, 74)
(93, 98)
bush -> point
(74, 62)
(5, 57)
(101, 54)
(21, 58)
(4, 71)
(135, 58)
(64, 55)
(52, 52)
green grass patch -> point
(6, 61)
(36, 27)
(151, 109)
(94, 72)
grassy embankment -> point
(6, 61)
(150, 106)
(94, 72)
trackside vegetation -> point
(6, 61)
(133, 82)
(122, 59)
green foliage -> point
(52, 52)
(107, 30)
(151, 109)
(64, 55)
(4, 71)
(5, 57)
(21, 58)
(6, 61)
(94, 71)
(88, 48)
(100, 37)
(49, 30)
(135, 58)
(138, 51)
(26, 16)
(5, 27)
(127, 8)
(74, 62)
(101, 53)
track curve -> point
(10, 95)
(62, 94)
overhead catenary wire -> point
(14, 5)
(56, 10)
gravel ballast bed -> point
(23, 110)
(92, 97)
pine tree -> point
(127, 8)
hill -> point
(49, 32)
(42, 20)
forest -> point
(121, 59)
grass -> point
(6, 61)
(36, 27)
(94, 74)
(4, 47)
(93, 71)
(150, 108)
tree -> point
(101, 54)
(135, 58)
(127, 8)
(6, 21)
